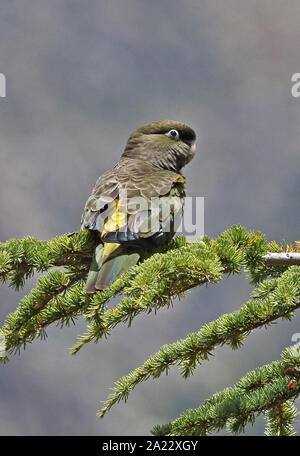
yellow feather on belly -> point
(116, 220)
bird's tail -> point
(110, 260)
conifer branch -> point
(183, 265)
(281, 297)
(154, 283)
(19, 259)
(61, 309)
(261, 390)
(282, 259)
(36, 310)
(280, 419)
(167, 273)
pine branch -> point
(261, 390)
(168, 275)
(19, 259)
(160, 278)
(282, 259)
(154, 284)
(280, 419)
(281, 299)
(30, 317)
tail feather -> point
(109, 262)
(113, 267)
(94, 269)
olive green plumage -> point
(139, 203)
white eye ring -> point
(173, 134)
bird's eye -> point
(173, 134)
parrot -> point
(138, 204)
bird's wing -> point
(119, 207)
(104, 193)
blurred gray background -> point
(80, 77)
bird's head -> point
(165, 143)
